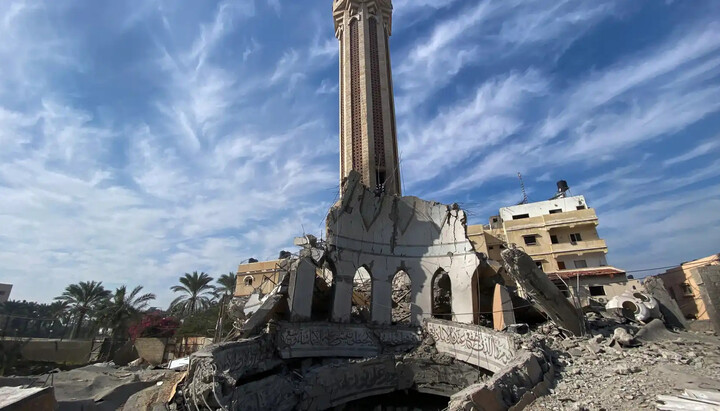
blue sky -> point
(141, 139)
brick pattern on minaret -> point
(368, 140)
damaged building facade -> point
(560, 234)
(695, 285)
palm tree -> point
(227, 284)
(124, 307)
(82, 298)
(197, 293)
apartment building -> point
(561, 235)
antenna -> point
(522, 187)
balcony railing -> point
(591, 245)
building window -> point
(520, 216)
(554, 239)
(581, 207)
(580, 264)
(530, 239)
(686, 289)
(561, 265)
(539, 264)
(494, 220)
(597, 290)
(574, 238)
(248, 281)
(2, 293)
(555, 211)
(502, 247)
(490, 247)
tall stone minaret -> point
(368, 137)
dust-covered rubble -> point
(628, 369)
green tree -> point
(197, 294)
(82, 298)
(227, 283)
(124, 307)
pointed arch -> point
(401, 298)
(362, 295)
(441, 295)
(324, 294)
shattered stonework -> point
(472, 344)
(543, 292)
(307, 354)
(387, 235)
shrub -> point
(154, 325)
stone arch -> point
(401, 298)
(362, 291)
(441, 287)
(324, 293)
(248, 281)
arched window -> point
(323, 295)
(401, 298)
(248, 281)
(362, 295)
(441, 295)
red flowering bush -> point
(154, 325)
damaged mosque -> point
(317, 338)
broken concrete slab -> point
(669, 308)
(27, 399)
(301, 288)
(473, 344)
(543, 292)
(655, 330)
(514, 387)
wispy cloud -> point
(699, 151)
(153, 139)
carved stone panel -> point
(342, 340)
(330, 386)
(476, 345)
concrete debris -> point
(20, 399)
(179, 364)
(655, 330)
(542, 291)
(625, 377)
(669, 309)
(635, 306)
(698, 400)
(623, 338)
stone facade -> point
(342, 340)
(388, 234)
(472, 344)
(368, 136)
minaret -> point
(368, 137)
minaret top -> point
(383, 7)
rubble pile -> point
(627, 366)
(401, 298)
